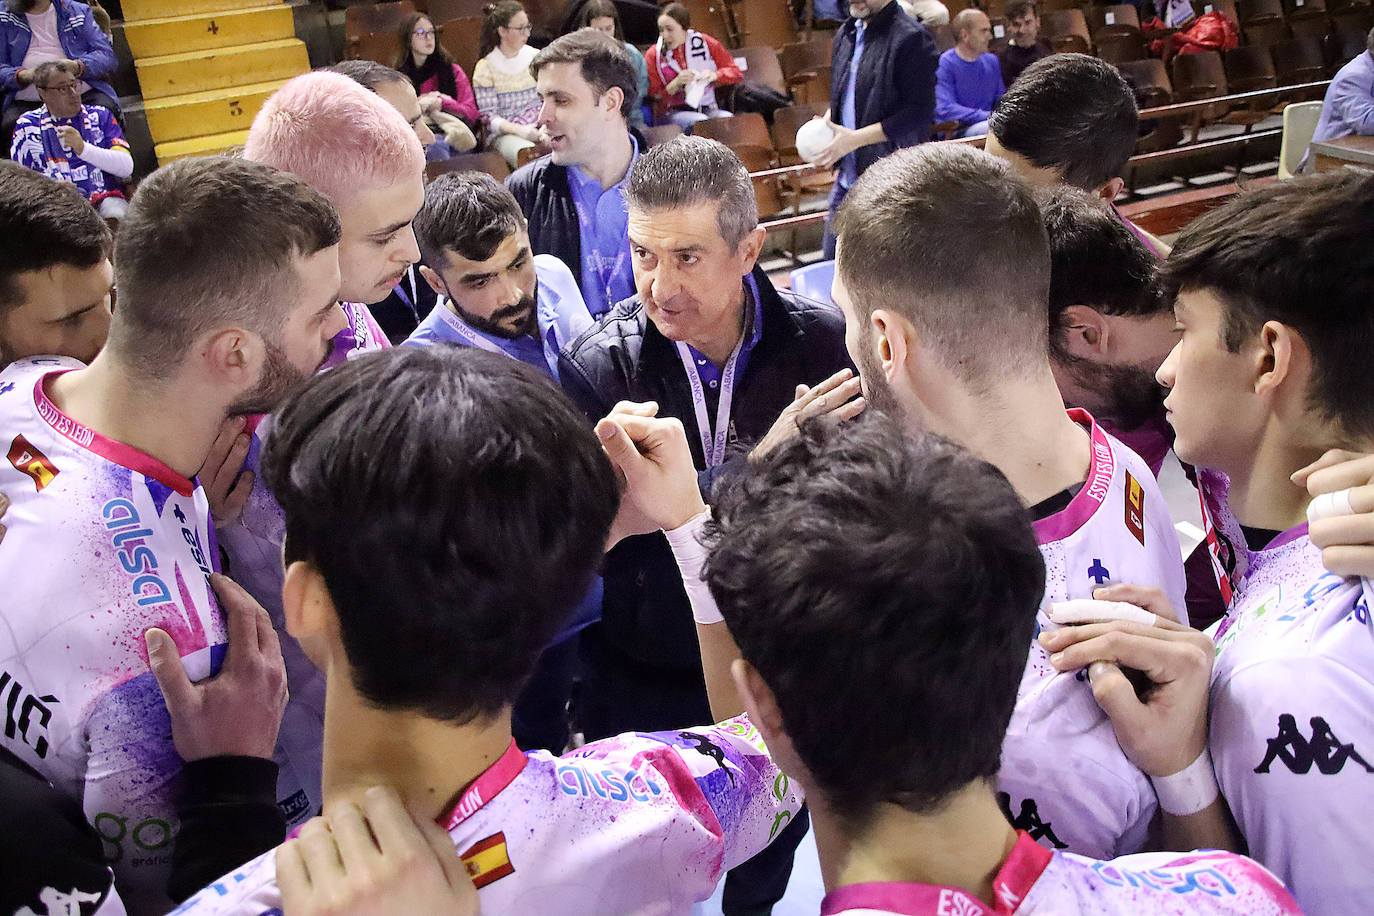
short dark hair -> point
(44, 223)
(478, 506)
(687, 171)
(1095, 259)
(1296, 252)
(947, 236)
(467, 212)
(208, 240)
(678, 12)
(885, 587)
(604, 62)
(1018, 8)
(600, 9)
(1071, 113)
(368, 73)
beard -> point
(1128, 396)
(279, 380)
(524, 313)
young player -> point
(1269, 372)
(955, 342)
(503, 499)
(228, 273)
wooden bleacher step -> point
(200, 146)
(214, 111)
(136, 10)
(203, 31)
(221, 68)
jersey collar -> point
(487, 786)
(1101, 467)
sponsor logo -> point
(294, 805)
(1299, 754)
(26, 715)
(488, 860)
(1135, 508)
(27, 459)
(1029, 820)
(1099, 573)
(130, 542)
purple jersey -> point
(36, 145)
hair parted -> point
(860, 549)
(1296, 252)
(687, 171)
(496, 16)
(496, 485)
(593, 10)
(604, 61)
(467, 212)
(210, 241)
(947, 236)
(1072, 113)
(44, 223)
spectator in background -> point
(929, 13)
(71, 142)
(444, 92)
(34, 31)
(602, 16)
(969, 79)
(685, 66)
(882, 93)
(1348, 108)
(1024, 44)
(502, 81)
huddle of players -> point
(881, 586)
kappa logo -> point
(1029, 820)
(488, 860)
(1298, 754)
(27, 459)
(1135, 508)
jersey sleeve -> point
(1199, 882)
(26, 147)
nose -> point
(664, 283)
(407, 251)
(1168, 370)
(545, 114)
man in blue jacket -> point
(34, 31)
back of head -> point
(496, 16)
(467, 212)
(367, 73)
(44, 223)
(1296, 252)
(1095, 260)
(338, 136)
(210, 241)
(1071, 113)
(495, 485)
(603, 60)
(884, 587)
(688, 171)
(947, 236)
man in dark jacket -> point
(712, 342)
(882, 92)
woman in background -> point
(602, 16)
(502, 81)
(685, 66)
(445, 94)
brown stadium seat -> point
(493, 163)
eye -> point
(479, 283)
(383, 242)
(687, 258)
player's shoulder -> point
(250, 890)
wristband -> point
(691, 556)
(1330, 504)
(1190, 790)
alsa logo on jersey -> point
(135, 556)
(488, 860)
(1135, 508)
(1186, 880)
(1298, 754)
(27, 459)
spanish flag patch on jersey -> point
(487, 860)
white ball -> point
(813, 137)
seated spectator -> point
(1348, 109)
(55, 277)
(1024, 44)
(47, 138)
(443, 88)
(502, 81)
(685, 66)
(34, 31)
(928, 13)
(968, 81)
(602, 16)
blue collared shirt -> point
(752, 332)
(561, 316)
(607, 272)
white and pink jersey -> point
(253, 544)
(1292, 736)
(104, 542)
(1035, 882)
(639, 823)
(1064, 778)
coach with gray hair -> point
(710, 340)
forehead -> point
(563, 76)
(381, 208)
(509, 249)
(53, 292)
(671, 229)
(399, 94)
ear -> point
(233, 355)
(306, 604)
(894, 340)
(759, 702)
(1087, 334)
(1277, 353)
(611, 100)
(751, 246)
(1111, 189)
(433, 280)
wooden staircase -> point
(206, 66)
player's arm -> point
(1341, 516)
(1161, 728)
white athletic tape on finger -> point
(1329, 505)
(691, 557)
(1091, 610)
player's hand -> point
(4, 507)
(71, 138)
(838, 398)
(1346, 541)
(239, 710)
(842, 144)
(653, 457)
(226, 483)
(373, 860)
(1163, 729)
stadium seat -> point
(786, 122)
(1150, 79)
(1299, 124)
(738, 131)
(761, 66)
(448, 10)
(1267, 32)
(1342, 47)
(379, 46)
(493, 163)
(1250, 68)
(1120, 19)
(1351, 18)
(1310, 26)
(1118, 49)
(1067, 30)
(711, 17)
(764, 22)
(528, 154)
(767, 195)
(1304, 9)
(1300, 61)
(462, 38)
(660, 133)
(1225, 7)
(375, 18)
(814, 280)
(1200, 76)
(806, 69)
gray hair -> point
(687, 171)
(44, 72)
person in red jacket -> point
(685, 66)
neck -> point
(41, 6)
(610, 161)
(509, 50)
(721, 344)
(961, 845)
(429, 763)
(418, 58)
(1261, 494)
(158, 419)
(966, 53)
